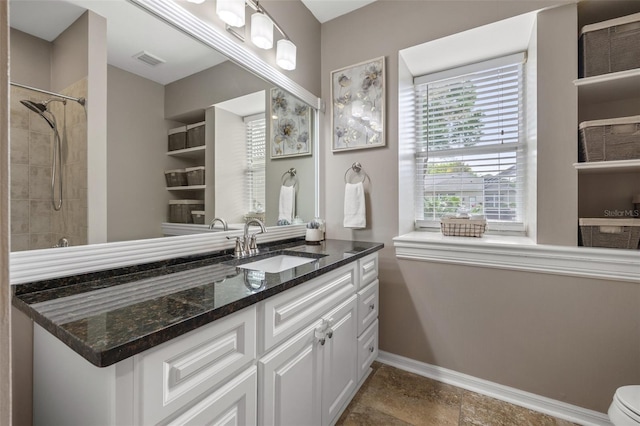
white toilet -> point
(625, 408)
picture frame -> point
(290, 125)
(358, 106)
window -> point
(470, 143)
(256, 164)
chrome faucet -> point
(249, 241)
(222, 221)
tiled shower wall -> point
(34, 222)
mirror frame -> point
(35, 265)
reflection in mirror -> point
(161, 85)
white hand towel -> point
(287, 203)
(354, 208)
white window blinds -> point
(256, 165)
(469, 143)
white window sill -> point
(520, 254)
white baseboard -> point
(508, 394)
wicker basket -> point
(610, 233)
(610, 46)
(180, 210)
(195, 135)
(195, 175)
(197, 216)
(176, 177)
(177, 138)
(611, 140)
(460, 227)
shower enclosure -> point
(48, 167)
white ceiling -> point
(326, 10)
(130, 31)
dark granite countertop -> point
(110, 315)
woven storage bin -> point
(198, 217)
(176, 177)
(610, 233)
(255, 215)
(459, 227)
(610, 46)
(180, 210)
(611, 140)
(178, 138)
(195, 175)
(195, 135)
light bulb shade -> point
(286, 55)
(261, 31)
(231, 12)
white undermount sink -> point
(277, 264)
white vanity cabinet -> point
(296, 358)
(206, 376)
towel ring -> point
(356, 168)
(290, 176)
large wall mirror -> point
(187, 129)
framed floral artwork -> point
(358, 104)
(290, 130)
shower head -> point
(39, 108)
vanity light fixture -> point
(286, 54)
(261, 30)
(196, 1)
(231, 12)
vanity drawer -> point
(367, 269)
(235, 403)
(281, 316)
(367, 349)
(367, 306)
(171, 375)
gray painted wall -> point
(570, 339)
(30, 60)
(70, 54)
(136, 157)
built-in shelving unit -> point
(187, 158)
(606, 186)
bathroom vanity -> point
(207, 340)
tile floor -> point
(393, 397)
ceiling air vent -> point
(148, 58)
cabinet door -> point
(290, 382)
(232, 404)
(340, 356)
